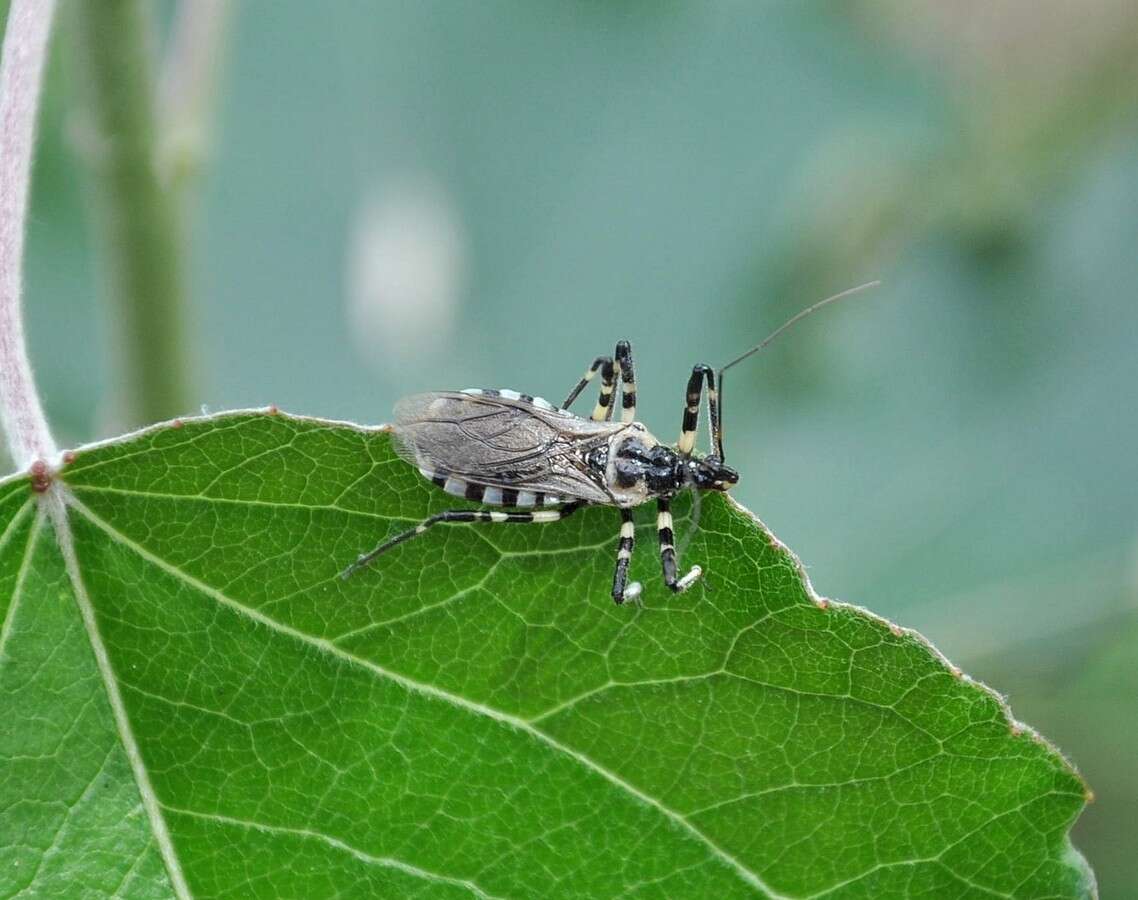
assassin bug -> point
(502, 448)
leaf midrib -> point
(57, 502)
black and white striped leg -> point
(627, 381)
(599, 363)
(602, 412)
(464, 515)
(700, 374)
(668, 550)
(621, 589)
(621, 372)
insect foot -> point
(688, 580)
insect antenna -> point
(797, 317)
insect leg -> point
(668, 550)
(610, 374)
(691, 411)
(628, 382)
(464, 515)
(602, 412)
(621, 589)
(590, 374)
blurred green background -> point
(398, 197)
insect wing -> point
(500, 442)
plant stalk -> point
(187, 88)
(21, 78)
(138, 219)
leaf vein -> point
(389, 862)
(21, 573)
(326, 646)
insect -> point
(543, 463)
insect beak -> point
(725, 477)
(715, 476)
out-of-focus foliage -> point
(955, 451)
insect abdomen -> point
(540, 402)
(491, 496)
(496, 496)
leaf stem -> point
(21, 77)
(137, 214)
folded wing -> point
(499, 441)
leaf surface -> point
(198, 705)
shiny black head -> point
(709, 474)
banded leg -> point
(600, 363)
(602, 412)
(622, 372)
(627, 381)
(464, 515)
(621, 589)
(668, 551)
(693, 399)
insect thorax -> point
(637, 466)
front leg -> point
(692, 399)
(668, 550)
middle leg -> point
(668, 550)
(627, 381)
(602, 364)
(616, 370)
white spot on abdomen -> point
(455, 486)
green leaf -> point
(196, 704)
